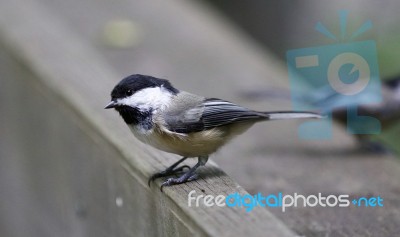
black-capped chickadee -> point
(183, 123)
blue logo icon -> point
(334, 77)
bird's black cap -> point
(133, 83)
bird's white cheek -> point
(148, 99)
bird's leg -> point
(169, 171)
(188, 176)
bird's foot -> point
(169, 171)
(187, 177)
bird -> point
(183, 123)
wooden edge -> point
(72, 71)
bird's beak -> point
(111, 105)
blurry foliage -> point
(389, 57)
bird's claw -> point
(166, 172)
(183, 179)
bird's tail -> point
(291, 115)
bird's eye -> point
(129, 92)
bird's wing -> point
(207, 114)
(211, 113)
(220, 112)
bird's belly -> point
(189, 145)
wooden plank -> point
(78, 159)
